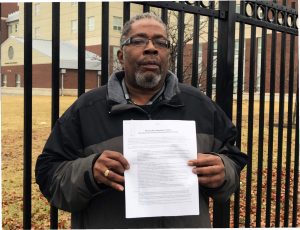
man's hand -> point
(116, 164)
(210, 170)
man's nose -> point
(150, 48)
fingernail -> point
(121, 188)
(190, 163)
(127, 167)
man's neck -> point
(141, 96)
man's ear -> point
(120, 56)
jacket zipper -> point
(149, 116)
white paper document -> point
(159, 181)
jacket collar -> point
(116, 96)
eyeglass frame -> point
(128, 42)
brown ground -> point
(12, 163)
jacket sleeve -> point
(233, 159)
(63, 172)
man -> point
(81, 169)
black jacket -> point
(94, 124)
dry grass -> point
(12, 161)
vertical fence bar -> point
(210, 55)
(164, 15)
(1, 31)
(180, 46)
(289, 133)
(224, 99)
(195, 66)
(146, 8)
(280, 129)
(280, 125)
(224, 90)
(296, 166)
(126, 12)
(55, 86)
(271, 128)
(27, 115)
(81, 47)
(105, 43)
(239, 109)
(250, 124)
(225, 59)
(261, 129)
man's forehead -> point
(147, 23)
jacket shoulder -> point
(91, 98)
(193, 93)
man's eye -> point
(161, 43)
(138, 41)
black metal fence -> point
(257, 64)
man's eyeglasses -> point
(160, 43)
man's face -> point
(145, 66)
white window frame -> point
(18, 80)
(3, 80)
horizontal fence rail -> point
(242, 56)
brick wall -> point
(277, 64)
(41, 77)
(6, 8)
(42, 72)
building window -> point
(74, 26)
(91, 23)
(10, 29)
(36, 32)
(117, 23)
(238, 7)
(16, 27)
(257, 85)
(18, 80)
(4, 80)
(237, 67)
(37, 9)
(10, 52)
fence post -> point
(81, 47)
(224, 87)
(105, 43)
(55, 86)
(27, 115)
